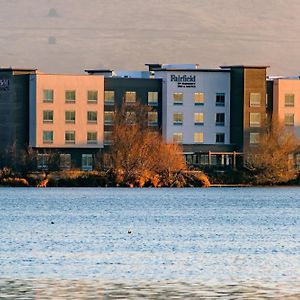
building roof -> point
(244, 67)
(98, 71)
(191, 70)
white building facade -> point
(196, 106)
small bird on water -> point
(129, 231)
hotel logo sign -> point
(184, 81)
(4, 84)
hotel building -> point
(215, 114)
(286, 105)
(128, 89)
(14, 108)
(196, 111)
(66, 117)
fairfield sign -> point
(184, 81)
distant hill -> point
(72, 35)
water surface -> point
(159, 241)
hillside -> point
(71, 35)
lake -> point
(105, 243)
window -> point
(130, 117)
(289, 100)
(65, 161)
(152, 118)
(255, 99)
(48, 96)
(220, 99)
(220, 119)
(177, 137)
(289, 119)
(130, 97)
(220, 138)
(70, 96)
(177, 98)
(70, 116)
(198, 98)
(177, 118)
(107, 137)
(92, 137)
(43, 161)
(254, 119)
(70, 137)
(87, 162)
(109, 97)
(92, 96)
(48, 137)
(92, 117)
(254, 137)
(153, 98)
(48, 116)
(108, 117)
(198, 118)
(198, 137)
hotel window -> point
(92, 96)
(70, 96)
(177, 98)
(254, 137)
(108, 117)
(87, 162)
(198, 137)
(92, 117)
(48, 96)
(152, 118)
(107, 137)
(65, 161)
(220, 138)
(255, 99)
(43, 161)
(130, 117)
(177, 118)
(48, 116)
(254, 119)
(153, 98)
(130, 97)
(289, 100)
(220, 99)
(177, 137)
(198, 118)
(220, 119)
(48, 137)
(109, 97)
(92, 137)
(70, 116)
(198, 98)
(289, 119)
(70, 137)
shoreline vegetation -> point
(99, 179)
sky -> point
(69, 36)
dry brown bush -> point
(269, 161)
(138, 154)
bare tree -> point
(138, 152)
(268, 161)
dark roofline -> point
(98, 71)
(16, 69)
(244, 67)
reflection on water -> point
(84, 289)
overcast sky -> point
(72, 35)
